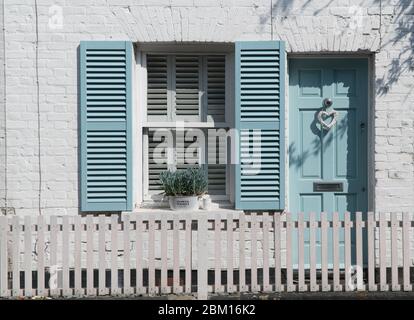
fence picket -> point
(406, 251)
(114, 255)
(253, 260)
(4, 292)
(78, 256)
(151, 256)
(278, 274)
(335, 239)
(89, 255)
(202, 288)
(383, 251)
(127, 255)
(65, 256)
(359, 250)
(164, 255)
(217, 254)
(16, 257)
(266, 285)
(395, 224)
(101, 255)
(230, 287)
(242, 270)
(176, 252)
(347, 250)
(139, 254)
(40, 256)
(289, 268)
(188, 254)
(28, 288)
(54, 268)
(312, 251)
(301, 252)
(324, 252)
(371, 252)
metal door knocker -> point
(323, 115)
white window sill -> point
(169, 211)
(223, 208)
(185, 124)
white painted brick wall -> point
(307, 26)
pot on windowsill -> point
(184, 187)
(183, 203)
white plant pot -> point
(185, 203)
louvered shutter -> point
(187, 87)
(216, 90)
(157, 88)
(216, 157)
(157, 159)
(188, 149)
(259, 88)
(105, 126)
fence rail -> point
(206, 252)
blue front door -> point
(328, 166)
(322, 159)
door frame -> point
(370, 115)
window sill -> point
(223, 208)
(169, 211)
(165, 124)
(159, 213)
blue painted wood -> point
(259, 114)
(335, 155)
(106, 125)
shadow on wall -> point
(284, 7)
(404, 32)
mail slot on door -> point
(328, 186)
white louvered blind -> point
(188, 149)
(177, 86)
(216, 155)
(157, 159)
(216, 91)
(187, 88)
(189, 156)
(157, 90)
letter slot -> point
(328, 187)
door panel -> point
(310, 148)
(345, 159)
(337, 155)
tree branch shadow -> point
(404, 33)
(405, 61)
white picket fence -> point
(205, 252)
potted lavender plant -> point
(184, 187)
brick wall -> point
(307, 26)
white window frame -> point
(142, 194)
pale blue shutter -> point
(105, 125)
(259, 90)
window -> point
(191, 90)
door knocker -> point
(323, 115)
